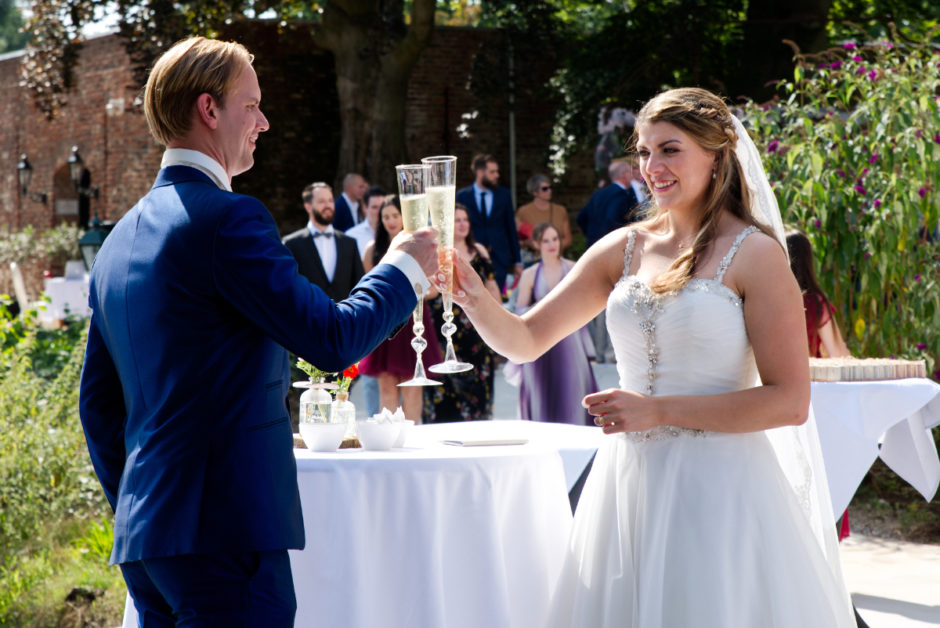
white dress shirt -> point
(363, 233)
(200, 161)
(325, 241)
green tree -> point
(12, 36)
(375, 45)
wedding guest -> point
(707, 505)
(393, 361)
(325, 256)
(349, 209)
(464, 396)
(195, 302)
(609, 208)
(541, 209)
(364, 232)
(492, 218)
(552, 386)
(822, 331)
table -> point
(66, 294)
(432, 535)
(854, 417)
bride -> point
(707, 504)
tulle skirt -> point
(700, 531)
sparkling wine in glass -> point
(412, 180)
(441, 193)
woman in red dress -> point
(825, 339)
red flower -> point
(352, 371)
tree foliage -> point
(12, 37)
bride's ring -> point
(599, 421)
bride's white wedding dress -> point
(681, 528)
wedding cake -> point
(864, 369)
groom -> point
(194, 301)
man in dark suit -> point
(325, 256)
(349, 209)
(195, 303)
(609, 208)
(493, 218)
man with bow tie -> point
(326, 257)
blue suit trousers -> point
(240, 590)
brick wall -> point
(298, 85)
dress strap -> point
(726, 261)
(628, 251)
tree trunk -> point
(765, 57)
(374, 54)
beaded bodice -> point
(690, 342)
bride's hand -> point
(621, 411)
(468, 286)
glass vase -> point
(315, 403)
(344, 411)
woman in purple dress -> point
(551, 388)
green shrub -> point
(853, 152)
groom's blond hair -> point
(190, 68)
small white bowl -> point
(377, 436)
(406, 426)
(322, 436)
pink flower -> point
(936, 138)
(857, 58)
(835, 65)
(773, 146)
(817, 223)
(872, 160)
(840, 172)
(888, 45)
(861, 69)
(921, 346)
(919, 133)
(849, 46)
(867, 255)
(916, 277)
(922, 192)
(873, 75)
(877, 203)
(860, 189)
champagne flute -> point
(412, 181)
(442, 192)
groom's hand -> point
(420, 245)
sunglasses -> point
(545, 188)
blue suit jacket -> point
(496, 232)
(342, 214)
(608, 208)
(183, 389)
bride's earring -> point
(713, 174)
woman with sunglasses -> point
(540, 210)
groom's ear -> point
(208, 110)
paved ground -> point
(893, 584)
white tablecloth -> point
(853, 417)
(66, 294)
(433, 535)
